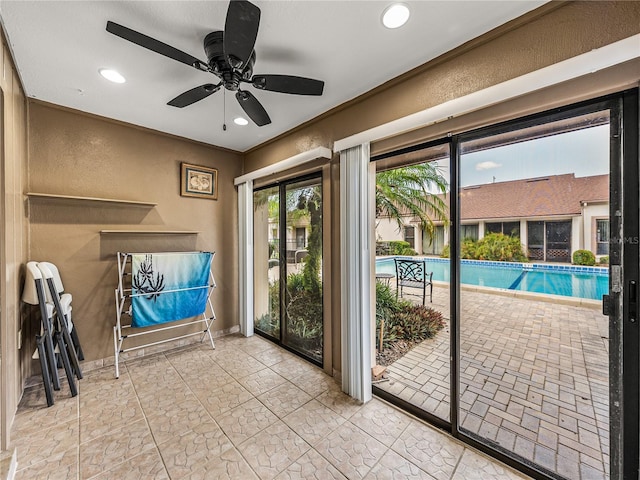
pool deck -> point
(534, 377)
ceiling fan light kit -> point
(230, 57)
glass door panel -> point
(558, 242)
(302, 309)
(266, 261)
(412, 339)
(288, 265)
(535, 240)
(533, 367)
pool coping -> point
(541, 297)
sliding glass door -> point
(533, 369)
(288, 265)
(537, 361)
(412, 339)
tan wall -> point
(13, 239)
(555, 32)
(71, 153)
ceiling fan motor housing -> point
(214, 49)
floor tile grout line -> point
(122, 427)
(146, 419)
(233, 445)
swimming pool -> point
(565, 280)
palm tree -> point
(408, 191)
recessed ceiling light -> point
(112, 75)
(395, 15)
(241, 121)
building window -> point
(410, 236)
(301, 237)
(602, 237)
(433, 244)
(493, 227)
(511, 228)
(469, 231)
(508, 228)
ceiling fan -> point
(231, 56)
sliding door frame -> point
(282, 253)
(624, 363)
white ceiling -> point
(59, 46)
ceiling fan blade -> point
(155, 45)
(288, 84)
(240, 32)
(253, 108)
(194, 95)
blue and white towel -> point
(168, 286)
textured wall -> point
(77, 154)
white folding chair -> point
(62, 309)
(56, 291)
(34, 294)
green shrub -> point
(386, 302)
(387, 305)
(584, 257)
(400, 247)
(303, 310)
(415, 323)
(495, 247)
(304, 320)
(604, 260)
(394, 247)
(468, 248)
(295, 283)
(402, 319)
(446, 252)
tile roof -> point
(533, 197)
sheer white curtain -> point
(357, 181)
(245, 257)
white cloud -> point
(487, 165)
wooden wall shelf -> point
(50, 196)
(148, 232)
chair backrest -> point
(411, 270)
(52, 272)
(30, 292)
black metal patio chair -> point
(412, 273)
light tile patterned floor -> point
(245, 410)
(534, 379)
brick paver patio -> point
(534, 379)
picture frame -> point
(198, 181)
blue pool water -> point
(565, 280)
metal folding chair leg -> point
(76, 344)
(50, 350)
(71, 351)
(62, 347)
(46, 378)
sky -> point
(583, 152)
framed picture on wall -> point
(198, 181)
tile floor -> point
(534, 379)
(245, 410)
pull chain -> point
(224, 110)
